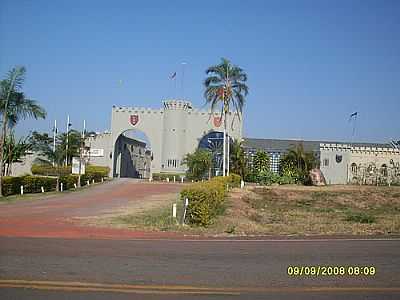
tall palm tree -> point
(14, 107)
(225, 84)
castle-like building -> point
(178, 128)
(172, 131)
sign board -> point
(75, 166)
(96, 152)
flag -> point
(354, 114)
(172, 76)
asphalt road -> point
(35, 268)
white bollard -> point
(22, 189)
(181, 179)
(192, 180)
(93, 181)
(185, 205)
(174, 210)
(62, 187)
(42, 188)
(88, 183)
(102, 179)
(74, 185)
(167, 179)
(174, 179)
(241, 184)
(150, 179)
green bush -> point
(11, 185)
(100, 170)
(49, 170)
(267, 177)
(32, 184)
(206, 199)
(68, 181)
(360, 217)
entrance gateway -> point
(172, 132)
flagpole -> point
(182, 80)
(66, 146)
(54, 141)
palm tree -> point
(299, 161)
(14, 107)
(225, 84)
(238, 159)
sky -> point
(310, 64)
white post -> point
(224, 153)
(66, 146)
(174, 210)
(22, 189)
(186, 204)
(227, 155)
(62, 187)
(74, 185)
(102, 179)
(88, 183)
(42, 188)
(167, 179)
(181, 179)
(54, 139)
(174, 179)
(241, 184)
(93, 181)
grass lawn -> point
(289, 210)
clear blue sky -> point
(310, 63)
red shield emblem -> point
(134, 119)
(217, 121)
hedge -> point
(206, 199)
(92, 172)
(34, 184)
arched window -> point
(354, 168)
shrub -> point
(267, 177)
(32, 184)
(360, 217)
(49, 170)
(68, 181)
(206, 199)
(100, 170)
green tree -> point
(226, 85)
(14, 151)
(297, 163)
(43, 143)
(199, 164)
(261, 162)
(14, 106)
(238, 159)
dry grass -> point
(299, 210)
(277, 210)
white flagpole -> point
(66, 146)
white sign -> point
(75, 166)
(96, 152)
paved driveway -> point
(51, 217)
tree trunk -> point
(2, 140)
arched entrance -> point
(132, 155)
(213, 142)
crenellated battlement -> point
(359, 149)
(177, 104)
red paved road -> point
(51, 217)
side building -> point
(340, 162)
